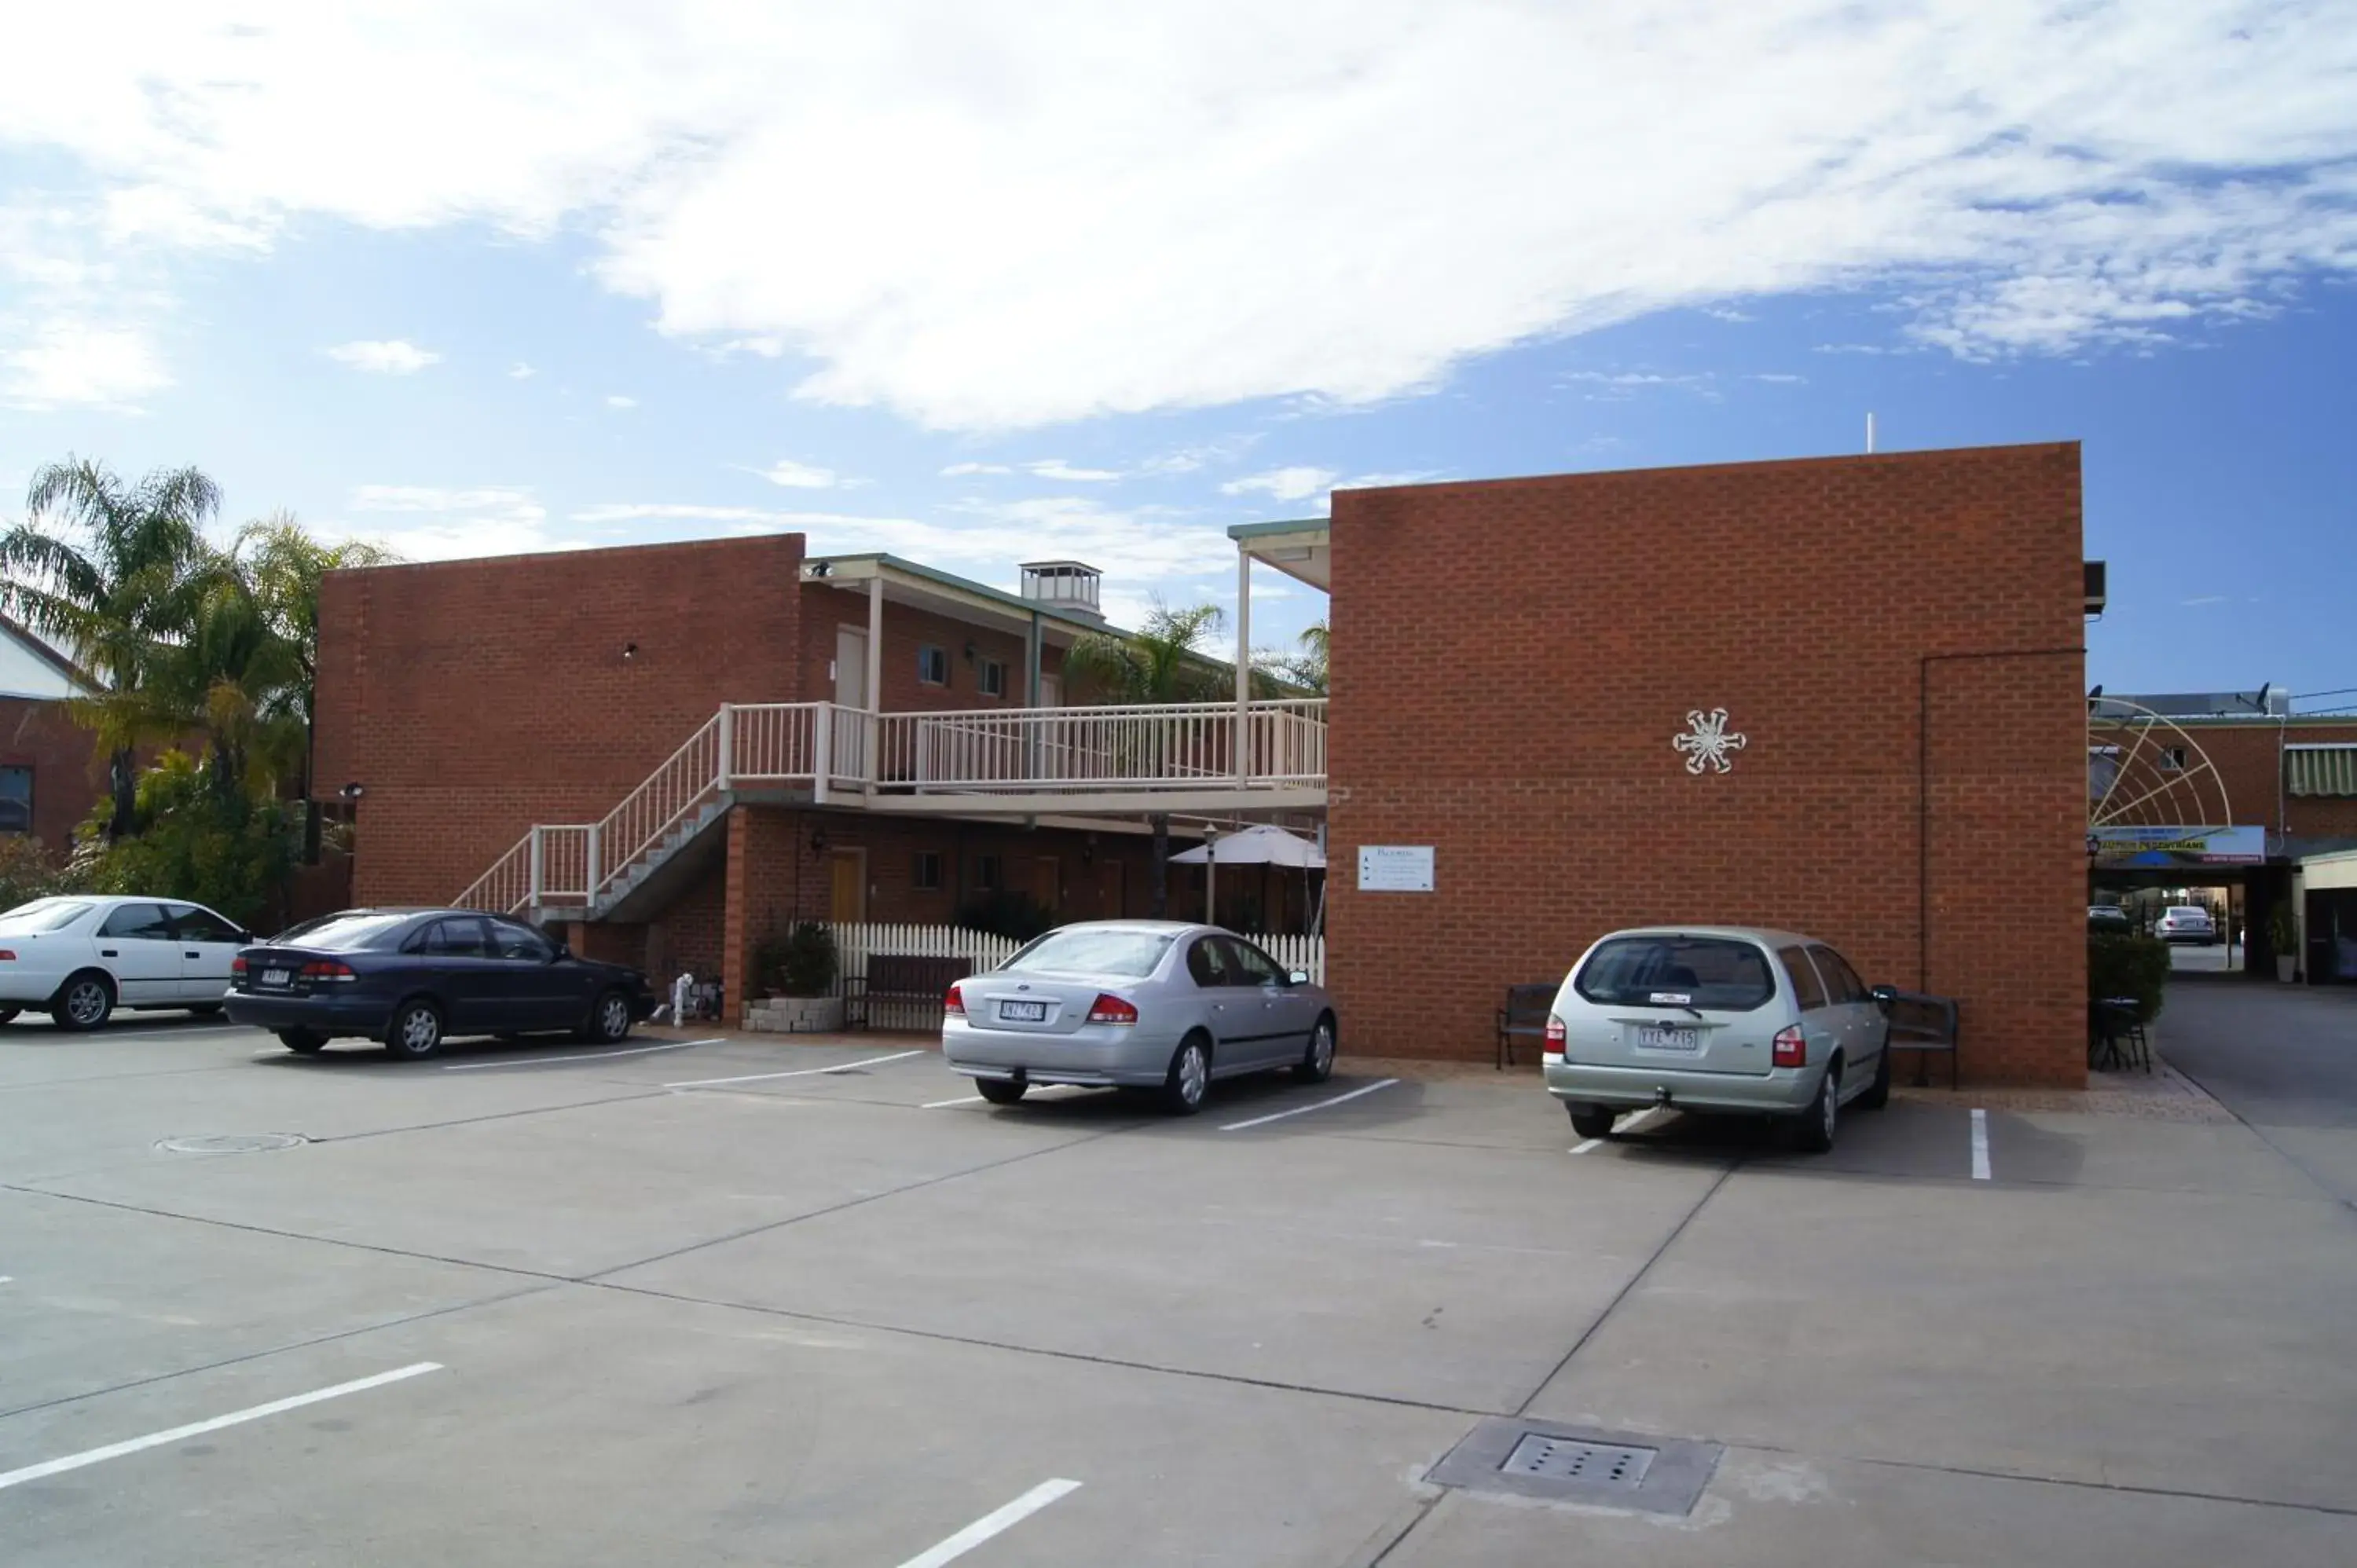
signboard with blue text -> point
(2164, 847)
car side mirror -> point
(558, 952)
(1299, 977)
(1883, 995)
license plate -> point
(1024, 1012)
(1662, 1037)
(277, 977)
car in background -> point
(80, 957)
(1716, 1019)
(1139, 1004)
(2110, 920)
(413, 978)
(2186, 923)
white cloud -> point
(1777, 377)
(2204, 599)
(385, 357)
(960, 470)
(1203, 203)
(521, 371)
(616, 400)
(670, 511)
(799, 476)
(1293, 484)
(67, 363)
(443, 524)
(1065, 473)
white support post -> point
(1243, 664)
(822, 750)
(728, 738)
(537, 861)
(1210, 878)
(871, 739)
(589, 875)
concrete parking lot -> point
(752, 1302)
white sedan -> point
(78, 956)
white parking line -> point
(993, 1523)
(1980, 1144)
(591, 1057)
(798, 1072)
(136, 1036)
(1634, 1121)
(1305, 1110)
(976, 1099)
(198, 1429)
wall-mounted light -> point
(630, 651)
(353, 791)
(969, 654)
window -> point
(2324, 769)
(1807, 989)
(454, 939)
(42, 915)
(987, 869)
(1718, 972)
(993, 678)
(1249, 965)
(15, 799)
(1207, 963)
(348, 932)
(195, 925)
(2172, 759)
(139, 923)
(927, 877)
(932, 666)
(511, 941)
(1840, 979)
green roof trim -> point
(1265, 530)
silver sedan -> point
(1152, 1004)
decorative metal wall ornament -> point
(1707, 741)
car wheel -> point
(302, 1042)
(609, 1020)
(1591, 1120)
(1877, 1093)
(1317, 1063)
(416, 1031)
(85, 1002)
(1001, 1091)
(1814, 1134)
(1190, 1078)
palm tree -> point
(112, 589)
(283, 565)
(1162, 661)
(1305, 668)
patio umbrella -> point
(1263, 843)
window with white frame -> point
(993, 678)
(932, 665)
(926, 876)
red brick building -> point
(683, 748)
(50, 775)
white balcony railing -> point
(1048, 751)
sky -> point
(985, 282)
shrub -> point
(27, 873)
(808, 965)
(2128, 966)
(229, 852)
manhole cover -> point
(1540, 1459)
(1567, 1459)
(231, 1143)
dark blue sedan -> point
(412, 978)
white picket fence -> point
(856, 944)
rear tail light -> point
(1791, 1047)
(326, 971)
(1110, 1009)
(954, 1002)
(1555, 1036)
(7, 955)
(237, 965)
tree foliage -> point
(230, 853)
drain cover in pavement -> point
(1540, 1459)
(231, 1143)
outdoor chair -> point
(1524, 1016)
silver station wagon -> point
(1717, 1018)
(1152, 1004)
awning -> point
(2320, 769)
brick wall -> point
(1511, 660)
(474, 698)
(68, 776)
(906, 628)
(2245, 756)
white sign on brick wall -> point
(1394, 868)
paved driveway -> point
(758, 1302)
(2282, 1057)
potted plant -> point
(2283, 936)
(798, 973)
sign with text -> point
(2160, 846)
(1394, 868)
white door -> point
(207, 944)
(135, 945)
(1051, 691)
(850, 667)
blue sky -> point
(981, 283)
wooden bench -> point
(903, 984)
(1922, 1024)
(1524, 1016)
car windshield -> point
(1717, 972)
(1098, 949)
(42, 915)
(339, 933)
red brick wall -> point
(474, 698)
(68, 776)
(2245, 756)
(1512, 658)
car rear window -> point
(42, 915)
(1132, 955)
(1717, 972)
(341, 933)
(2184, 911)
